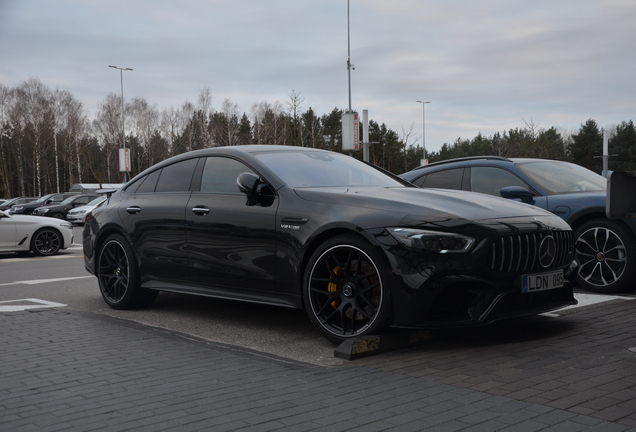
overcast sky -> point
(486, 66)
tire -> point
(118, 276)
(344, 289)
(58, 215)
(606, 251)
(46, 242)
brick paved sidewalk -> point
(67, 370)
(583, 361)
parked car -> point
(358, 249)
(16, 201)
(60, 210)
(78, 214)
(605, 248)
(53, 198)
(42, 236)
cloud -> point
(485, 66)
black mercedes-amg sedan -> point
(358, 249)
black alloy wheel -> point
(46, 242)
(605, 251)
(118, 276)
(344, 290)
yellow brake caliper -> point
(332, 287)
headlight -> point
(42, 211)
(17, 208)
(66, 225)
(432, 241)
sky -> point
(485, 66)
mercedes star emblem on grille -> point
(547, 251)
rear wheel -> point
(606, 251)
(46, 242)
(118, 276)
(345, 291)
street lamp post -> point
(423, 131)
(123, 131)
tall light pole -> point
(123, 131)
(349, 65)
(423, 131)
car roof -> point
(244, 151)
(466, 161)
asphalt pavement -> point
(68, 369)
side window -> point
(220, 174)
(419, 182)
(490, 180)
(132, 187)
(148, 183)
(447, 179)
(176, 177)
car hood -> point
(432, 204)
(20, 219)
(55, 207)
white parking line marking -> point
(42, 281)
(31, 303)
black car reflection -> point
(358, 249)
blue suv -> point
(605, 248)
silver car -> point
(78, 214)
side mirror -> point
(248, 184)
(517, 192)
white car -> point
(42, 236)
(78, 214)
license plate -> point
(542, 281)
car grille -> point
(520, 253)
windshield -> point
(323, 169)
(10, 201)
(68, 200)
(557, 177)
(44, 198)
(97, 200)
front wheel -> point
(606, 251)
(118, 276)
(345, 290)
(46, 242)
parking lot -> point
(193, 363)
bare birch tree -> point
(107, 126)
(38, 118)
(5, 99)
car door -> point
(154, 216)
(231, 246)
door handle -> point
(133, 210)
(200, 211)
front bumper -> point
(469, 289)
